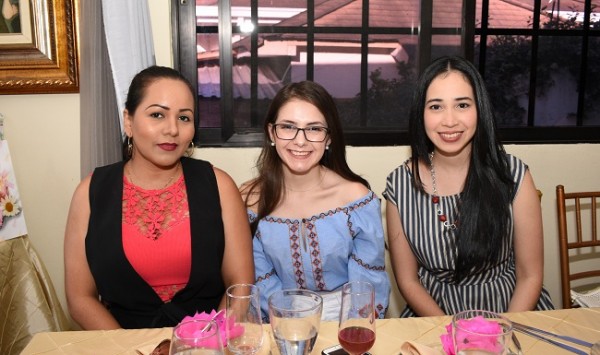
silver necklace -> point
(435, 198)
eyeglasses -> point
(289, 132)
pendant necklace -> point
(435, 198)
(132, 174)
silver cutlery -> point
(547, 337)
(519, 350)
(553, 335)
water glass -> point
(244, 324)
(356, 332)
(481, 332)
(295, 317)
(196, 337)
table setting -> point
(295, 328)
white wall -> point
(43, 133)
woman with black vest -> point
(158, 236)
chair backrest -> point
(28, 301)
(577, 202)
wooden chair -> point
(588, 203)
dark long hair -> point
(270, 183)
(484, 208)
(137, 92)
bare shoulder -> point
(227, 187)
(250, 192)
(527, 192)
(247, 186)
(81, 194)
(223, 179)
(345, 191)
(79, 212)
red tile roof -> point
(394, 14)
(405, 13)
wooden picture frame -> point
(44, 57)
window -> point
(538, 58)
(540, 62)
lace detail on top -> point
(153, 212)
(167, 292)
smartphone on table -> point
(336, 350)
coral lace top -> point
(156, 233)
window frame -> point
(183, 19)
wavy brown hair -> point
(268, 187)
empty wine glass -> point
(356, 332)
(295, 316)
(244, 324)
(196, 337)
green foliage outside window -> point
(508, 69)
(507, 75)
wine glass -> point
(244, 324)
(196, 337)
(356, 332)
(295, 317)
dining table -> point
(391, 334)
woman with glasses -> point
(316, 224)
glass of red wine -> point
(356, 332)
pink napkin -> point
(235, 330)
(478, 325)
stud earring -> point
(272, 144)
(327, 147)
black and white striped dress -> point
(434, 249)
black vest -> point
(128, 297)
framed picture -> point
(39, 51)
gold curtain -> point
(28, 301)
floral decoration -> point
(235, 330)
(9, 206)
(477, 332)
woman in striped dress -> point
(463, 217)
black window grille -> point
(539, 59)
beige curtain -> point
(28, 301)
(116, 43)
(100, 127)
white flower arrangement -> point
(9, 206)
